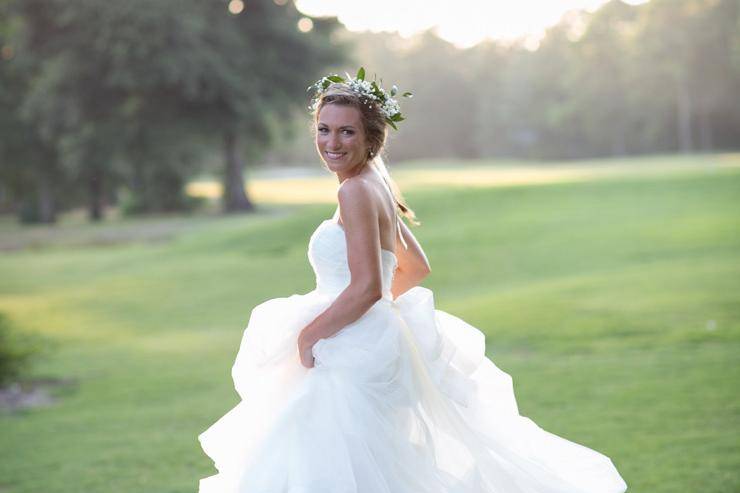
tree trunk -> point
(95, 195)
(705, 130)
(47, 209)
(141, 199)
(619, 138)
(685, 140)
(235, 196)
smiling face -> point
(340, 138)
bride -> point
(362, 385)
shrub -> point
(16, 351)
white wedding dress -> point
(403, 400)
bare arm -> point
(413, 265)
(360, 221)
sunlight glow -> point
(462, 22)
(236, 6)
(323, 189)
(305, 24)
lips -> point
(335, 155)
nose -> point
(333, 142)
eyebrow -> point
(343, 126)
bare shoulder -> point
(355, 191)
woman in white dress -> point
(361, 385)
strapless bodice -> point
(327, 253)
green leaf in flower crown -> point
(394, 90)
(334, 78)
(361, 74)
(390, 122)
(407, 95)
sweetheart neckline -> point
(339, 226)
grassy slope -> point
(613, 304)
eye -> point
(322, 129)
(349, 132)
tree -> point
(29, 164)
(259, 78)
(687, 50)
(123, 88)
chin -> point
(332, 166)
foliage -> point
(662, 76)
(369, 91)
(99, 97)
(16, 351)
(121, 94)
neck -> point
(354, 171)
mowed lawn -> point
(614, 304)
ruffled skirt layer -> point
(403, 400)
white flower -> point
(367, 91)
(390, 107)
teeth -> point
(334, 155)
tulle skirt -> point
(403, 400)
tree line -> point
(659, 77)
(105, 102)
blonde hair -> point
(376, 133)
(404, 209)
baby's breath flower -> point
(369, 92)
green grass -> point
(614, 304)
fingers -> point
(307, 359)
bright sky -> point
(462, 22)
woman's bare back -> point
(388, 220)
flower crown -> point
(369, 91)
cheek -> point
(352, 141)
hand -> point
(305, 349)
